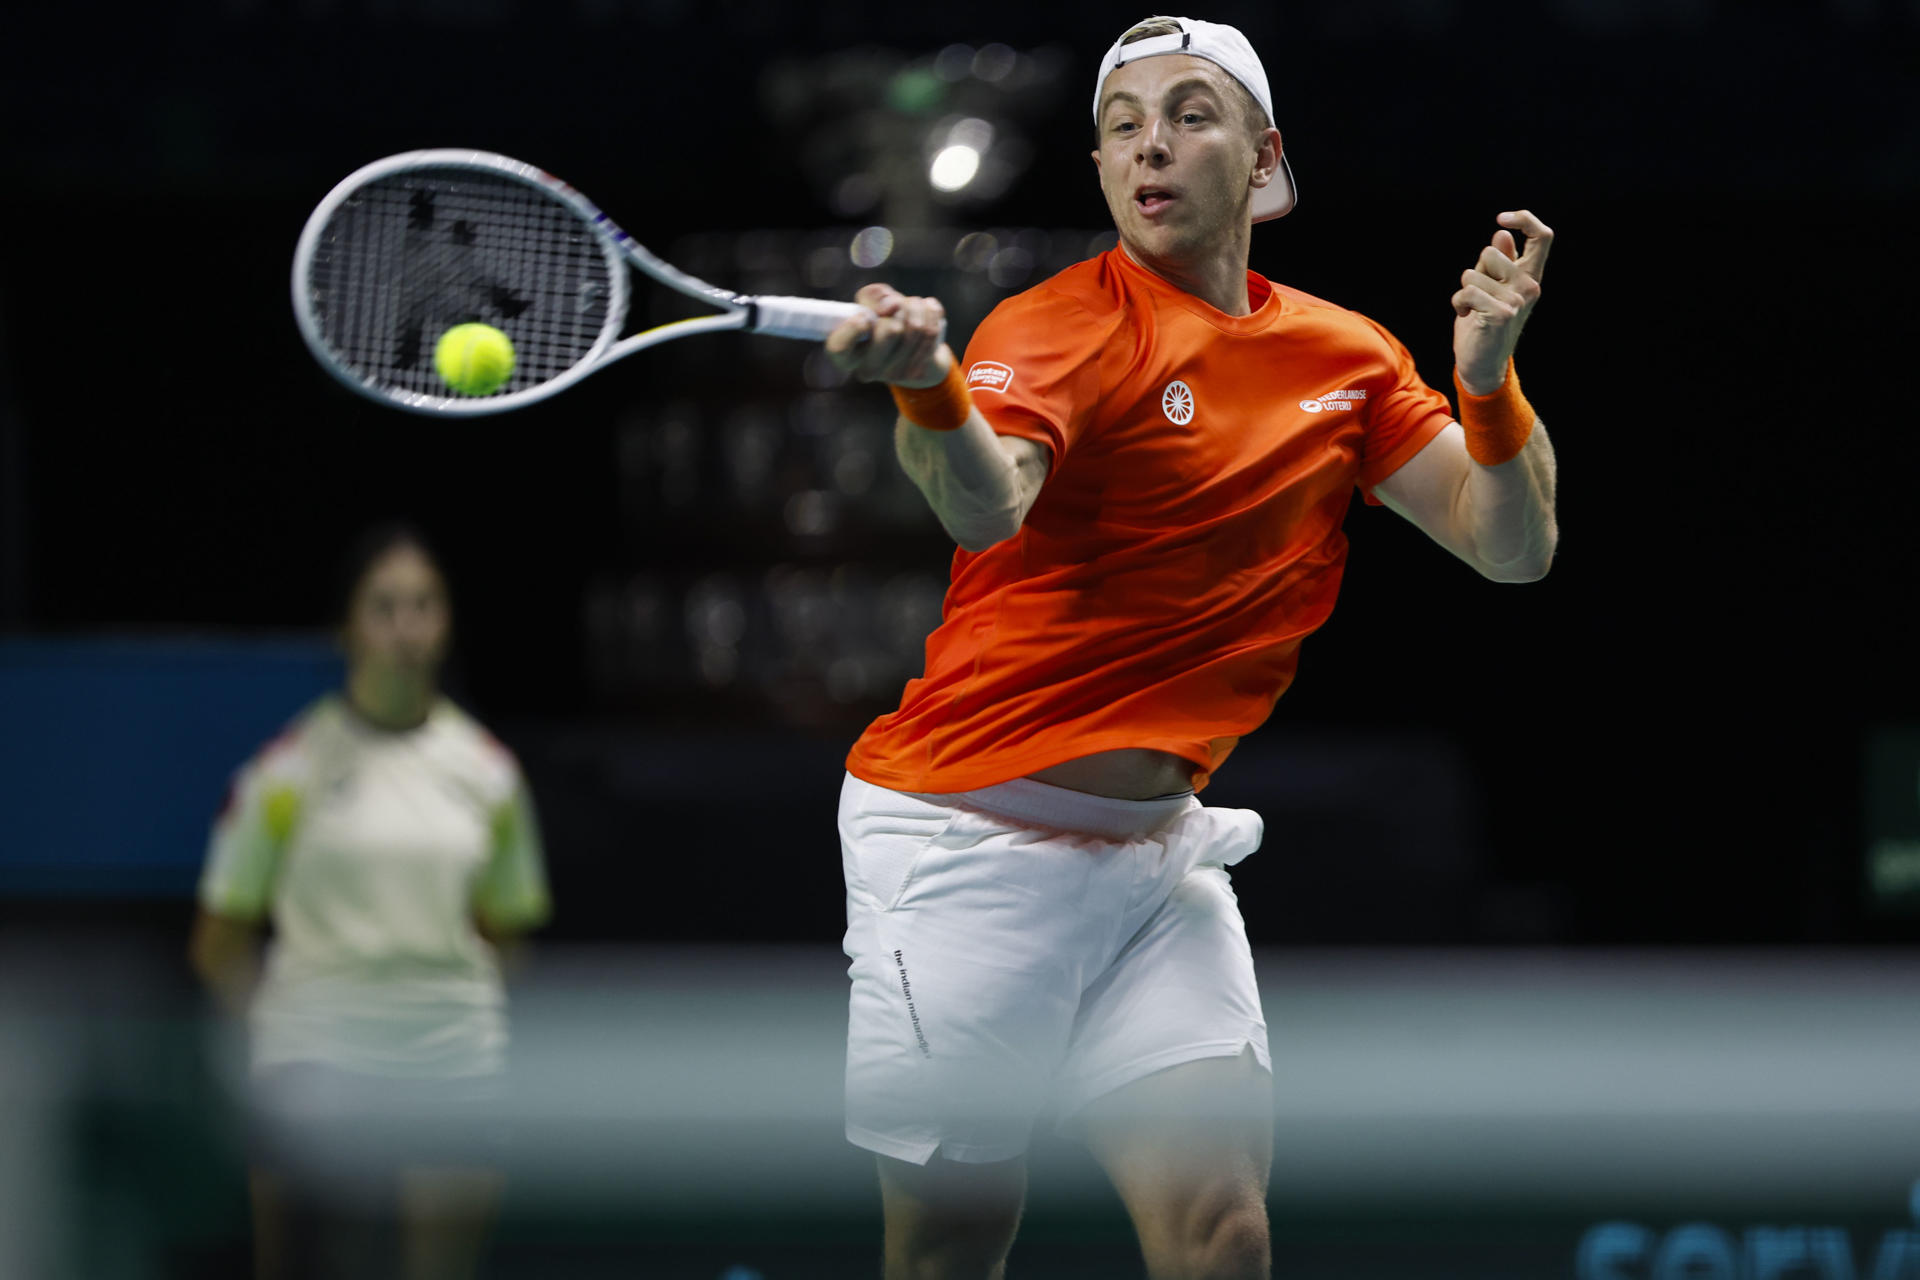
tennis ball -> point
(475, 359)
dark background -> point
(1661, 742)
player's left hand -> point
(1497, 294)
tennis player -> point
(389, 841)
(1146, 461)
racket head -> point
(403, 249)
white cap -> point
(1227, 49)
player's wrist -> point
(1481, 383)
(932, 374)
(942, 406)
(1497, 423)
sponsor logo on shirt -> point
(988, 375)
(1337, 401)
(1177, 403)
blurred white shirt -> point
(373, 851)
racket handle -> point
(809, 319)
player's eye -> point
(1191, 117)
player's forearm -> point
(1508, 512)
(226, 956)
(969, 481)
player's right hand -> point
(900, 343)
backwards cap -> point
(1227, 49)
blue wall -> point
(115, 753)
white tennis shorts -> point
(1026, 949)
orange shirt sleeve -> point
(1033, 368)
(1403, 421)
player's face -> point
(400, 619)
(1174, 156)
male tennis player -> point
(1145, 461)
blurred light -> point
(957, 162)
(954, 167)
(856, 193)
(676, 447)
(716, 617)
(906, 611)
(804, 611)
(825, 266)
(1010, 267)
(993, 62)
(847, 679)
(975, 250)
(971, 132)
(871, 247)
(954, 63)
(752, 445)
(818, 413)
(761, 251)
(718, 664)
(819, 371)
(854, 470)
(915, 91)
(810, 512)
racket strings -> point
(408, 256)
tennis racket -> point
(409, 246)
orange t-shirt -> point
(1186, 540)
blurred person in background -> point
(1146, 461)
(390, 842)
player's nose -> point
(1153, 141)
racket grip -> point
(809, 319)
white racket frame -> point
(807, 319)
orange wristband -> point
(944, 406)
(1497, 425)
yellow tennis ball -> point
(475, 359)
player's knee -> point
(1239, 1247)
(947, 1265)
(973, 1250)
(950, 1221)
(1225, 1242)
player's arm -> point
(979, 483)
(249, 839)
(1499, 519)
(511, 897)
(1484, 487)
(225, 952)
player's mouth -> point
(1153, 201)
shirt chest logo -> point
(1177, 403)
(1336, 401)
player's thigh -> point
(1190, 1150)
(948, 1220)
(971, 941)
(1183, 989)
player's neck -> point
(1219, 279)
(389, 703)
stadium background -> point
(1687, 763)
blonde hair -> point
(1251, 112)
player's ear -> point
(1266, 156)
